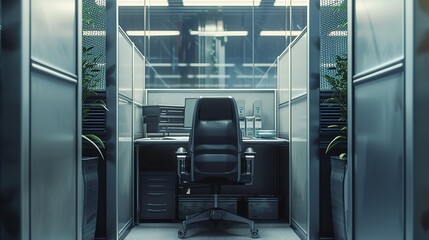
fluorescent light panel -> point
(154, 33)
(287, 3)
(221, 3)
(140, 3)
(279, 33)
(168, 76)
(258, 64)
(161, 64)
(250, 76)
(219, 33)
(208, 76)
(210, 64)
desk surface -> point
(185, 139)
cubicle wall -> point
(139, 93)
(298, 106)
(283, 71)
(177, 97)
(40, 178)
(298, 132)
(125, 98)
(417, 118)
(125, 131)
(389, 95)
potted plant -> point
(338, 99)
(90, 80)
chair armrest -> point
(249, 155)
(181, 155)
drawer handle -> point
(156, 179)
(156, 194)
(156, 204)
(156, 185)
(156, 210)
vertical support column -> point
(417, 117)
(15, 120)
(313, 120)
(112, 120)
(349, 175)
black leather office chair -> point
(215, 157)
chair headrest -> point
(211, 109)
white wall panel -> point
(283, 75)
(125, 65)
(284, 120)
(299, 163)
(378, 33)
(298, 133)
(379, 158)
(53, 161)
(139, 77)
(54, 34)
(299, 75)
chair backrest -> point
(215, 141)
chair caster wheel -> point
(254, 232)
(181, 233)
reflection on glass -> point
(212, 44)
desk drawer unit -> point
(157, 195)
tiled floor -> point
(207, 230)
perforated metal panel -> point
(333, 36)
(94, 33)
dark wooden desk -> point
(270, 180)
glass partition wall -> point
(210, 44)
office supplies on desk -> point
(241, 105)
(266, 134)
(164, 119)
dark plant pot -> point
(338, 171)
(90, 183)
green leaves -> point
(91, 70)
(339, 86)
(96, 142)
(91, 79)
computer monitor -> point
(189, 112)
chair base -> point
(216, 214)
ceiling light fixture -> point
(161, 64)
(219, 33)
(141, 3)
(208, 76)
(287, 3)
(221, 3)
(152, 33)
(279, 33)
(258, 64)
(210, 64)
